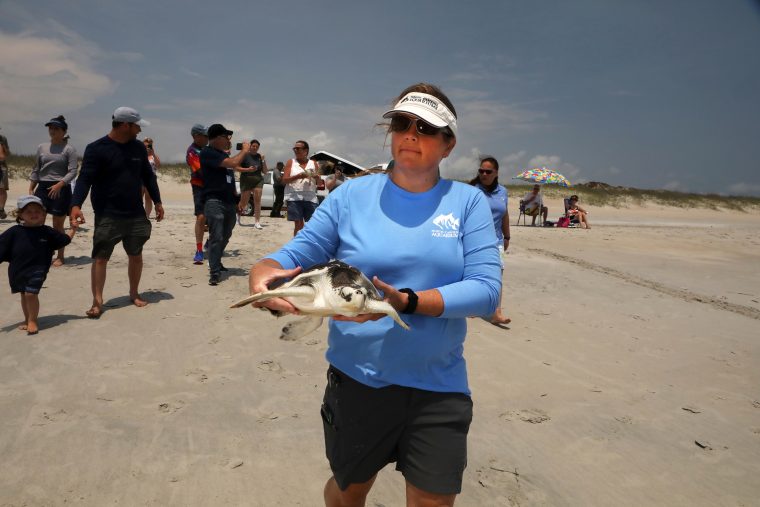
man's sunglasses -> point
(401, 123)
(299, 148)
(485, 171)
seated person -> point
(576, 213)
(534, 202)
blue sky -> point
(644, 93)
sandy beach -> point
(629, 376)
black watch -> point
(411, 306)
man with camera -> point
(219, 199)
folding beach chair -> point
(574, 221)
(524, 215)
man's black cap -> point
(217, 129)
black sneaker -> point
(214, 279)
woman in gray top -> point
(54, 169)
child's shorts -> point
(30, 282)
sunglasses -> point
(299, 148)
(401, 123)
(485, 171)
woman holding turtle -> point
(394, 395)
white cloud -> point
(548, 161)
(321, 139)
(463, 167)
(189, 72)
(744, 189)
(483, 67)
(128, 56)
(344, 129)
(44, 76)
(675, 186)
(489, 115)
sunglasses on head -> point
(401, 123)
(485, 171)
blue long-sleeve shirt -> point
(441, 239)
(116, 172)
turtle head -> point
(353, 295)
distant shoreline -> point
(601, 195)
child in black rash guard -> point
(29, 248)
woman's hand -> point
(398, 300)
(263, 274)
(55, 190)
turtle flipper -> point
(374, 306)
(301, 291)
(299, 328)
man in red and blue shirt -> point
(200, 140)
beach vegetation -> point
(592, 194)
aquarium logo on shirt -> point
(446, 226)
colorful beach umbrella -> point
(543, 176)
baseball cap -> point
(427, 107)
(129, 115)
(26, 200)
(217, 129)
(198, 129)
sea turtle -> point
(334, 288)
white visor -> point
(429, 108)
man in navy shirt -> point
(219, 199)
(116, 167)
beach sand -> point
(630, 374)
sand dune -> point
(629, 375)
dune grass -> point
(623, 197)
(19, 166)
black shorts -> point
(58, 207)
(424, 432)
(197, 200)
(109, 231)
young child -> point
(29, 248)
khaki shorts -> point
(132, 233)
